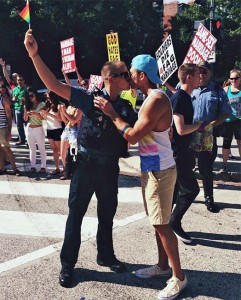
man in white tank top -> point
(157, 168)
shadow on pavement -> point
(221, 205)
(201, 283)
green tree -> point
(228, 46)
(137, 23)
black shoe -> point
(181, 234)
(65, 277)
(114, 264)
(209, 202)
(20, 143)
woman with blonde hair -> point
(232, 125)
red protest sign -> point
(68, 55)
(95, 81)
(201, 46)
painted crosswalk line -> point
(28, 224)
(37, 189)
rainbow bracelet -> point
(125, 131)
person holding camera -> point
(97, 167)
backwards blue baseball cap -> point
(147, 64)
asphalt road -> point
(33, 210)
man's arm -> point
(66, 78)
(221, 118)
(150, 115)
(224, 108)
(5, 72)
(43, 71)
(78, 74)
(183, 128)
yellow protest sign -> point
(113, 46)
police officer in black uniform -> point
(97, 168)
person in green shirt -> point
(19, 94)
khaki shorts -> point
(157, 191)
(3, 137)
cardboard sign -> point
(201, 46)
(95, 81)
(68, 55)
(166, 59)
(113, 46)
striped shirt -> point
(35, 120)
(3, 117)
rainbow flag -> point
(25, 13)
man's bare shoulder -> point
(159, 99)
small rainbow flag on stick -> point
(25, 13)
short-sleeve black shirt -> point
(182, 105)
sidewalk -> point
(131, 166)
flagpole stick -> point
(29, 25)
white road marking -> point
(28, 224)
(37, 189)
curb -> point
(230, 178)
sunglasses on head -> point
(234, 78)
(125, 75)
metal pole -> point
(212, 14)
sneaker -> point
(181, 234)
(173, 288)
(42, 171)
(224, 169)
(152, 271)
(232, 157)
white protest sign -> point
(113, 46)
(68, 55)
(166, 59)
(201, 46)
(95, 81)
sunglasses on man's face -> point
(234, 78)
(125, 75)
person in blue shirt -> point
(96, 169)
(211, 106)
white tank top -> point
(52, 123)
(155, 148)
